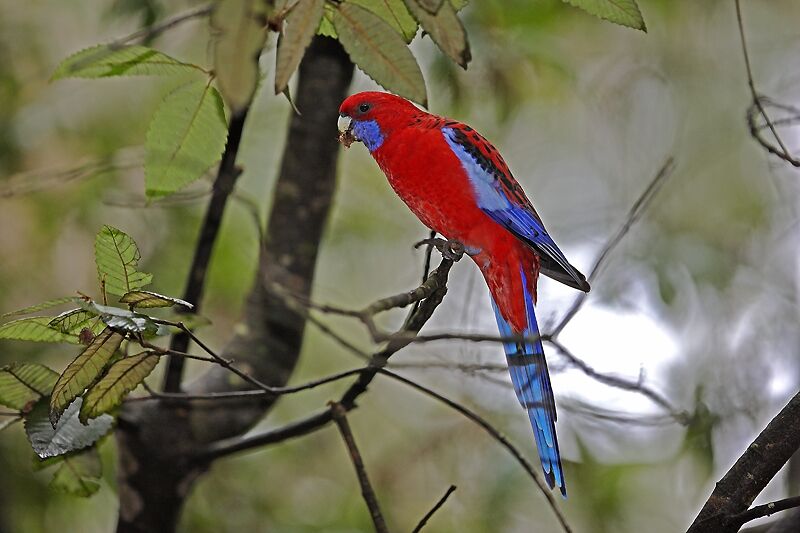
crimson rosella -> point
(458, 185)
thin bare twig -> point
(271, 391)
(782, 152)
(340, 417)
(149, 32)
(633, 216)
(767, 509)
(614, 381)
(494, 433)
(433, 510)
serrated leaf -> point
(326, 28)
(105, 60)
(186, 136)
(298, 30)
(83, 371)
(445, 29)
(123, 319)
(623, 12)
(240, 30)
(38, 307)
(68, 434)
(121, 378)
(72, 321)
(379, 51)
(35, 328)
(22, 383)
(117, 258)
(152, 299)
(79, 473)
(394, 13)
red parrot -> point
(458, 185)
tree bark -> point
(158, 440)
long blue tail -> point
(528, 369)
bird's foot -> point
(452, 250)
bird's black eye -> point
(363, 108)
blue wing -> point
(501, 197)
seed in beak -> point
(346, 136)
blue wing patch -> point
(502, 199)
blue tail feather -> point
(528, 368)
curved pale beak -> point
(345, 125)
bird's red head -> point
(375, 115)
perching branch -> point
(760, 462)
(340, 417)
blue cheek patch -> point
(368, 132)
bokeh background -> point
(700, 298)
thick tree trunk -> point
(157, 441)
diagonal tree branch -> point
(433, 510)
(760, 462)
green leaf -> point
(68, 434)
(379, 51)
(152, 299)
(106, 60)
(38, 307)
(79, 473)
(123, 319)
(240, 30)
(121, 378)
(23, 383)
(83, 371)
(394, 13)
(185, 137)
(458, 5)
(298, 30)
(36, 328)
(326, 28)
(72, 321)
(445, 29)
(117, 258)
(623, 12)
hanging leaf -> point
(394, 13)
(185, 137)
(117, 258)
(38, 307)
(68, 434)
(23, 383)
(623, 12)
(445, 29)
(123, 319)
(121, 378)
(72, 321)
(240, 30)
(298, 30)
(107, 60)
(83, 371)
(79, 473)
(379, 51)
(36, 328)
(152, 299)
(326, 28)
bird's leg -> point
(452, 250)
